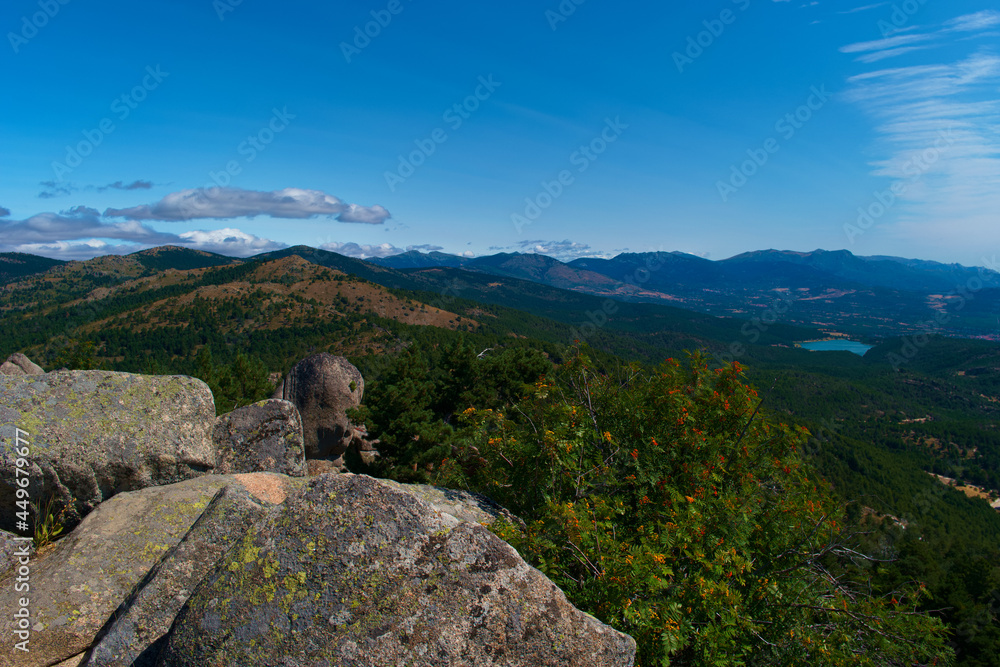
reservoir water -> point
(837, 346)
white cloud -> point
(899, 44)
(228, 241)
(561, 250)
(863, 8)
(888, 53)
(76, 250)
(362, 251)
(936, 137)
(77, 223)
(374, 215)
(886, 43)
(225, 203)
(975, 22)
(366, 251)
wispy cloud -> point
(936, 132)
(988, 18)
(226, 203)
(53, 189)
(864, 8)
(875, 56)
(56, 189)
(134, 185)
(917, 37)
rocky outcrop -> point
(134, 635)
(93, 434)
(136, 557)
(263, 437)
(353, 572)
(265, 569)
(323, 388)
(18, 364)
(455, 506)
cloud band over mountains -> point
(225, 203)
(81, 232)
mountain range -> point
(835, 291)
(877, 427)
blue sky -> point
(564, 128)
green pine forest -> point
(771, 507)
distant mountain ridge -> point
(835, 291)
(766, 266)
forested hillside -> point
(439, 347)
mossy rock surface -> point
(93, 434)
(456, 506)
(351, 571)
(127, 551)
(134, 635)
(77, 585)
(263, 437)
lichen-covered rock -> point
(263, 437)
(324, 387)
(12, 549)
(456, 506)
(77, 585)
(133, 637)
(353, 572)
(93, 434)
(18, 364)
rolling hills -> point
(878, 427)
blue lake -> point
(837, 346)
